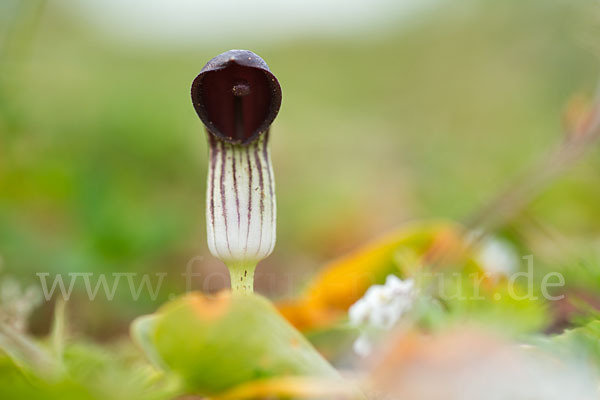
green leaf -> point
(218, 343)
(582, 342)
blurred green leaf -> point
(582, 342)
(218, 343)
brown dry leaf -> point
(342, 282)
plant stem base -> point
(242, 277)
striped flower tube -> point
(237, 98)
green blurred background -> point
(390, 114)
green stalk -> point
(242, 277)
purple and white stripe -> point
(240, 201)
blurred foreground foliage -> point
(237, 346)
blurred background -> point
(393, 111)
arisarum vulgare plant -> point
(237, 98)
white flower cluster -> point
(498, 257)
(381, 308)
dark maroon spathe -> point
(236, 96)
